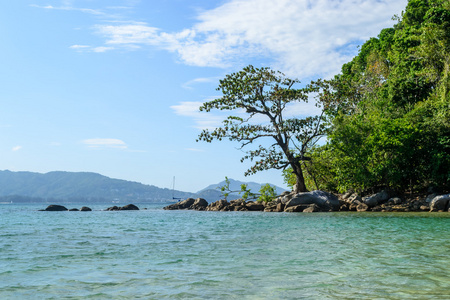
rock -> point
(312, 208)
(85, 208)
(74, 209)
(280, 207)
(199, 204)
(296, 208)
(344, 207)
(362, 207)
(113, 208)
(394, 201)
(430, 198)
(129, 207)
(440, 203)
(324, 200)
(221, 205)
(424, 208)
(255, 206)
(55, 207)
(126, 207)
(376, 199)
(185, 204)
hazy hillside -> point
(235, 185)
(79, 186)
(92, 187)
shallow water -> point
(157, 254)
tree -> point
(262, 92)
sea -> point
(157, 254)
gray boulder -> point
(376, 199)
(55, 207)
(440, 203)
(129, 207)
(324, 200)
(85, 208)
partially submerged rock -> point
(55, 207)
(126, 207)
(190, 203)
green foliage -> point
(390, 107)
(266, 94)
(266, 193)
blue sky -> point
(114, 86)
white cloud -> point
(189, 85)
(68, 6)
(105, 143)
(16, 148)
(79, 47)
(102, 49)
(303, 38)
(203, 120)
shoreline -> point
(320, 201)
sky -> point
(114, 86)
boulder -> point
(126, 207)
(113, 208)
(185, 204)
(430, 198)
(252, 206)
(362, 207)
(376, 199)
(394, 201)
(324, 200)
(129, 207)
(221, 205)
(312, 208)
(296, 208)
(74, 209)
(55, 207)
(199, 204)
(440, 203)
(85, 208)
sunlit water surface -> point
(157, 254)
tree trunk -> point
(299, 186)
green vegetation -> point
(387, 112)
(389, 109)
(266, 193)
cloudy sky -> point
(114, 86)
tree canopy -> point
(258, 99)
(390, 112)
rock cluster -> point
(126, 207)
(386, 202)
(55, 207)
(314, 201)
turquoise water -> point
(157, 254)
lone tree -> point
(256, 94)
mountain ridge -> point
(63, 186)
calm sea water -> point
(157, 254)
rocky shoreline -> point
(55, 207)
(320, 201)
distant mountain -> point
(92, 187)
(235, 185)
(78, 187)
